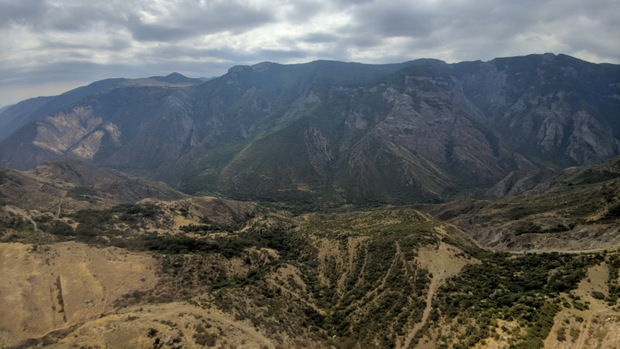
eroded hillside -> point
(570, 210)
(203, 272)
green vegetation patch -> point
(522, 288)
(373, 301)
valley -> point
(319, 205)
(204, 271)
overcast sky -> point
(50, 46)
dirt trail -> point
(58, 211)
(442, 263)
(20, 212)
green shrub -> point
(61, 228)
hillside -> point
(383, 278)
(575, 209)
(65, 186)
(419, 131)
(318, 205)
(208, 271)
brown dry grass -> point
(596, 327)
(64, 284)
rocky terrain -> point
(575, 209)
(318, 205)
(420, 131)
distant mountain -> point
(32, 109)
(334, 132)
(176, 78)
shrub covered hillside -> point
(391, 277)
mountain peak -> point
(262, 66)
(176, 75)
(238, 68)
(176, 78)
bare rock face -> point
(554, 128)
(76, 133)
(336, 131)
(591, 142)
(319, 149)
(553, 108)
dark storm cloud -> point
(394, 19)
(440, 22)
(175, 20)
(157, 32)
(43, 15)
(302, 11)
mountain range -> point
(331, 132)
(412, 205)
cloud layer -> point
(71, 42)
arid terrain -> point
(422, 204)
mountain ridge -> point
(421, 130)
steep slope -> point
(367, 140)
(555, 110)
(575, 209)
(99, 125)
(333, 132)
(30, 110)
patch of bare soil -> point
(167, 325)
(442, 262)
(59, 286)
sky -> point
(51, 46)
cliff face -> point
(415, 131)
(555, 108)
